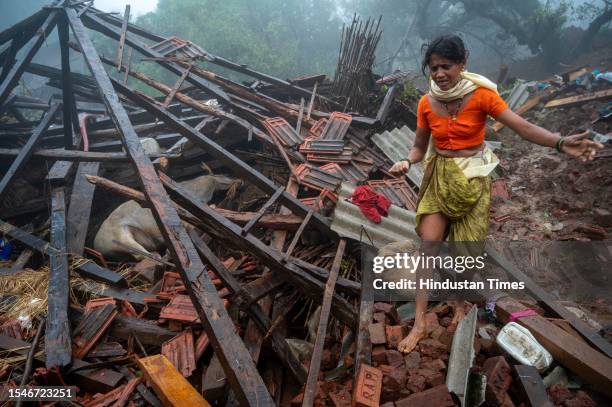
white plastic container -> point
(522, 346)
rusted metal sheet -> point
(180, 308)
(180, 352)
(316, 178)
(91, 328)
(337, 126)
(348, 221)
(283, 131)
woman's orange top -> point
(468, 130)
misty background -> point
(535, 38)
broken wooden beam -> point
(26, 151)
(532, 387)
(70, 115)
(73, 155)
(58, 348)
(239, 367)
(550, 303)
(169, 385)
(572, 100)
(363, 344)
(592, 366)
(126, 20)
(317, 353)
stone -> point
(437, 365)
(388, 309)
(415, 382)
(377, 333)
(602, 217)
(438, 396)
(379, 355)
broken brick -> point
(558, 394)
(388, 309)
(381, 317)
(394, 358)
(394, 334)
(393, 378)
(581, 400)
(438, 396)
(432, 377)
(446, 321)
(377, 333)
(379, 355)
(412, 360)
(436, 365)
(368, 386)
(497, 371)
(438, 332)
(415, 382)
(432, 348)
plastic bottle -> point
(522, 346)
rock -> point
(379, 355)
(438, 332)
(436, 365)
(432, 378)
(415, 382)
(602, 217)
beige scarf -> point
(468, 83)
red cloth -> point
(372, 205)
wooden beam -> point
(126, 20)
(58, 344)
(572, 100)
(79, 210)
(73, 155)
(363, 345)
(169, 384)
(549, 302)
(239, 367)
(385, 106)
(532, 387)
(253, 221)
(176, 86)
(317, 353)
(70, 115)
(593, 367)
(26, 151)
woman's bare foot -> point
(418, 332)
(459, 311)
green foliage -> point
(280, 38)
(409, 92)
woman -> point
(454, 197)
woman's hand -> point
(400, 168)
(579, 146)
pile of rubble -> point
(201, 247)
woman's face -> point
(444, 72)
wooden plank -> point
(315, 361)
(297, 236)
(214, 383)
(70, 115)
(572, 100)
(73, 155)
(58, 347)
(592, 366)
(461, 356)
(126, 20)
(532, 387)
(79, 210)
(237, 363)
(549, 302)
(169, 385)
(26, 151)
(257, 289)
(385, 106)
(176, 86)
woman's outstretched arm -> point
(576, 145)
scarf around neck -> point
(469, 82)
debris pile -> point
(202, 247)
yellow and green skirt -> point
(460, 189)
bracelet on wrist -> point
(559, 144)
(407, 160)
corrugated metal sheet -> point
(348, 221)
(518, 96)
(396, 144)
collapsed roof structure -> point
(293, 141)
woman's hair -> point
(447, 46)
